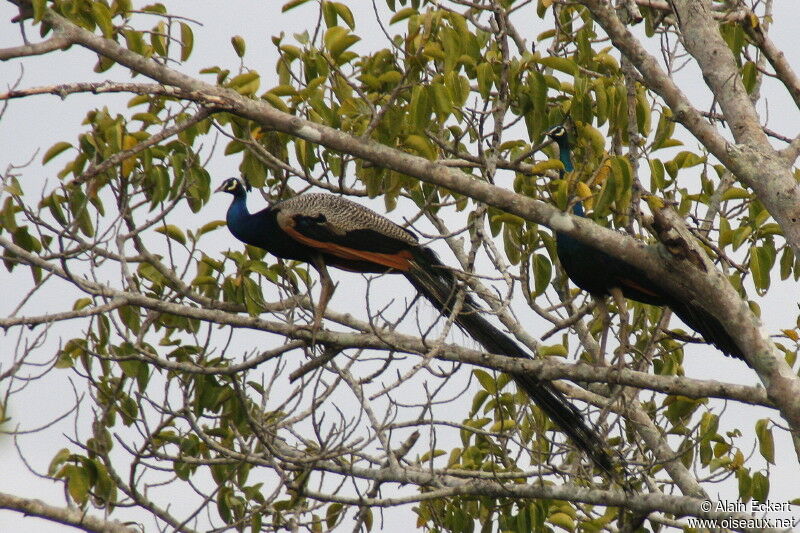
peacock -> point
(599, 273)
(328, 230)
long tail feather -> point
(708, 326)
(437, 283)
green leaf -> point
(555, 350)
(486, 380)
(562, 520)
(657, 174)
(332, 514)
(38, 9)
(81, 303)
(187, 41)
(291, 5)
(210, 226)
(102, 15)
(402, 14)
(760, 487)
(427, 456)
(130, 317)
(345, 14)
(158, 39)
(77, 483)
(134, 42)
(292, 51)
(561, 64)
(239, 45)
(683, 160)
(25, 240)
(766, 444)
(503, 425)
(787, 262)
(543, 167)
(253, 300)
(745, 484)
(247, 83)
(60, 458)
(485, 79)
(276, 102)
(762, 258)
(477, 401)
(749, 77)
(542, 273)
(420, 144)
(508, 218)
(441, 101)
(735, 193)
(643, 112)
(55, 150)
(665, 128)
(204, 280)
(338, 39)
(595, 137)
(173, 232)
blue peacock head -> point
(235, 186)
(558, 133)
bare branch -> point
(69, 516)
(57, 42)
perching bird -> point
(328, 230)
(598, 273)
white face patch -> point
(233, 184)
(561, 222)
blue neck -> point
(566, 159)
(239, 219)
(238, 209)
(564, 155)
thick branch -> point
(36, 49)
(69, 516)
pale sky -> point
(38, 122)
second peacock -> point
(598, 273)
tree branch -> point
(69, 516)
(57, 42)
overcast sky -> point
(38, 122)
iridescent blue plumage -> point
(261, 229)
(597, 272)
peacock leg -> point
(605, 322)
(622, 309)
(325, 293)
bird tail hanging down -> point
(436, 282)
(708, 326)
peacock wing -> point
(347, 230)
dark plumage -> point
(324, 229)
(597, 272)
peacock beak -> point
(221, 187)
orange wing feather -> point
(643, 290)
(399, 261)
